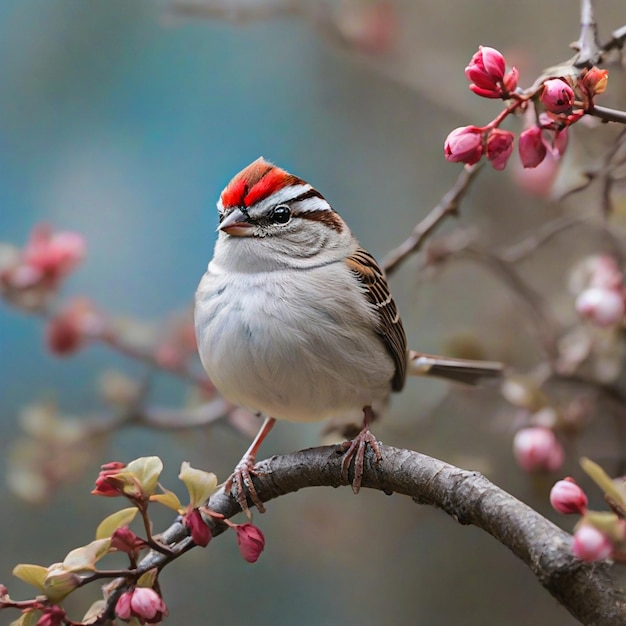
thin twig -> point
(606, 114)
(524, 248)
(588, 46)
(447, 207)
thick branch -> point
(586, 590)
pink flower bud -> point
(464, 145)
(63, 336)
(595, 80)
(499, 147)
(143, 603)
(200, 532)
(105, 487)
(251, 541)
(537, 449)
(69, 330)
(510, 80)
(3, 591)
(567, 497)
(54, 254)
(125, 540)
(52, 616)
(486, 72)
(603, 307)
(591, 545)
(532, 150)
(557, 96)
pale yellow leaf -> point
(602, 479)
(32, 574)
(199, 483)
(85, 557)
(110, 524)
(147, 469)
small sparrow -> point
(295, 321)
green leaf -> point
(85, 557)
(148, 578)
(30, 618)
(169, 499)
(110, 524)
(602, 479)
(147, 469)
(94, 611)
(32, 574)
(199, 483)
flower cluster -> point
(557, 102)
(135, 598)
(598, 535)
(30, 275)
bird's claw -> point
(355, 449)
(241, 480)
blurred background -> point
(124, 120)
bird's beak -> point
(236, 223)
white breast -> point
(297, 345)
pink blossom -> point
(603, 307)
(52, 616)
(537, 449)
(499, 147)
(464, 145)
(251, 541)
(532, 150)
(125, 540)
(567, 497)
(200, 532)
(104, 486)
(486, 74)
(557, 96)
(54, 254)
(44, 261)
(591, 545)
(69, 329)
(143, 603)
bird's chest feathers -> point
(273, 343)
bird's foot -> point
(355, 450)
(241, 480)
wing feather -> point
(390, 328)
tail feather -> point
(457, 370)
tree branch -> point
(586, 590)
(447, 207)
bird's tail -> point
(458, 370)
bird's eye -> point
(281, 214)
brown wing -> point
(390, 328)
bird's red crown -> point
(255, 183)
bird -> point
(295, 321)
